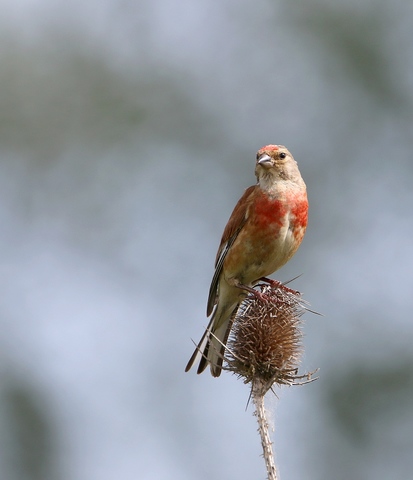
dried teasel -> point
(265, 342)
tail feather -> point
(217, 344)
(201, 348)
(211, 347)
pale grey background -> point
(128, 131)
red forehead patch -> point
(270, 147)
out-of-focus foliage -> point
(30, 443)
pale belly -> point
(260, 253)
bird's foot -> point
(256, 293)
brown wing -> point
(235, 223)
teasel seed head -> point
(265, 345)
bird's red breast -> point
(267, 236)
(272, 212)
(268, 211)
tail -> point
(211, 347)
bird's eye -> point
(283, 155)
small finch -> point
(263, 232)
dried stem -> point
(257, 394)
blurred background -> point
(128, 130)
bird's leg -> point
(277, 284)
(256, 293)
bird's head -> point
(274, 163)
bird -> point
(263, 232)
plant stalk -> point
(258, 393)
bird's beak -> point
(264, 160)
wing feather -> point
(235, 223)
